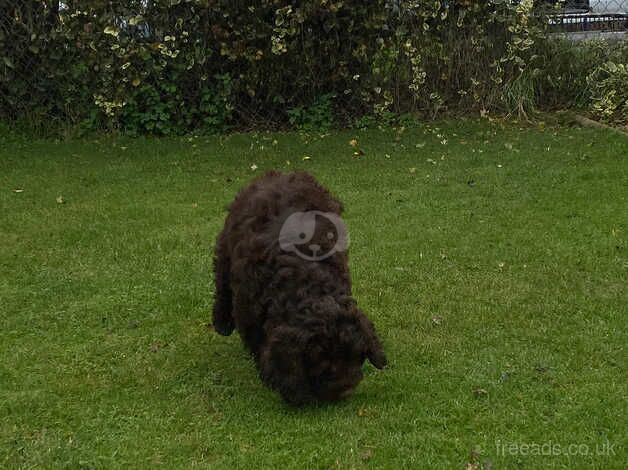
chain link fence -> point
(586, 19)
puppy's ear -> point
(374, 351)
(281, 364)
(376, 356)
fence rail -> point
(591, 18)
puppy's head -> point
(323, 359)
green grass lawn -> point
(491, 258)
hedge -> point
(173, 66)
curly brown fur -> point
(297, 317)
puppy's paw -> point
(223, 328)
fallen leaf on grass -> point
(157, 345)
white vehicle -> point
(582, 19)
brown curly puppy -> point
(283, 282)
